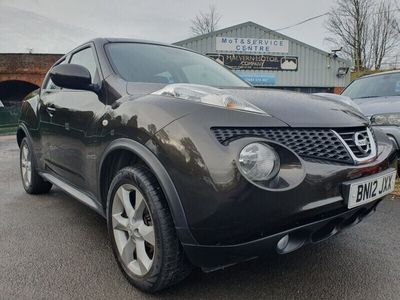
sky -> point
(57, 26)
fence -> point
(9, 118)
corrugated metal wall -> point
(315, 67)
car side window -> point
(49, 85)
(86, 59)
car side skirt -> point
(82, 197)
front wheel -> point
(31, 180)
(142, 231)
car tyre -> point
(142, 232)
(32, 182)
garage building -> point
(267, 58)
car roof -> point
(105, 40)
(100, 42)
(380, 74)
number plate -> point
(368, 189)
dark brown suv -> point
(190, 165)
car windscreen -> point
(139, 62)
(384, 85)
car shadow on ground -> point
(315, 272)
(339, 267)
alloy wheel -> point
(133, 229)
(26, 165)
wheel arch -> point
(22, 131)
(144, 155)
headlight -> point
(207, 95)
(258, 162)
(386, 119)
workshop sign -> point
(251, 45)
(256, 62)
(257, 79)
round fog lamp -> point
(258, 162)
(283, 242)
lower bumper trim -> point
(214, 257)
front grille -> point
(307, 143)
(358, 151)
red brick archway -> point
(13, 91)
(35, 79)
(20, 74)
(26, 67)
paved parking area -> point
(53, 247)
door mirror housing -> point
(72, 76)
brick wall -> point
(26, 67)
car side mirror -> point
(72, 76)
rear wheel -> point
(142, 231)
(32, 182)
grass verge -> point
(8, 130)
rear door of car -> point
(78, 115)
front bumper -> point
(225, 212)
(215, 257)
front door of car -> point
(48, 130)
(77, 115)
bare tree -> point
(397, 16)
(349, 23)
(366, 29)
(205, 22)
(384, 33)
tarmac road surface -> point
(53, 247)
